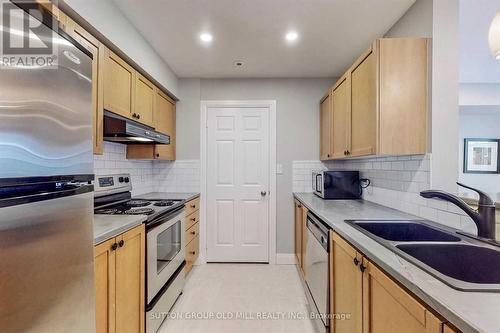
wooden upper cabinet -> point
(144, 100)
(164, 120)
(364, 107)
(118, 85)
(380, 105)
(97, 49)
(325, 129)
(346, 291)
(389, 308)
(341, 118)
(403, 95)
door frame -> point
(271, 106)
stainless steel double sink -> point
(460, 261)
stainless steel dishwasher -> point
(316, 271)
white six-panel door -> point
(237, 203)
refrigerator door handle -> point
(26, 198)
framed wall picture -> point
(481, 156)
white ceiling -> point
(332, 33)
(477, 65)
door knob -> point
(263, 193)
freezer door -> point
(46, 112)
(47, 270)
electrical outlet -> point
(279, 169)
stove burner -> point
(138, 203)
(163, 203)
(107, 211)
(140, 211)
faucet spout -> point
(484, 217)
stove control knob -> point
(127, 180)
(120, 179)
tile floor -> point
(252, 297)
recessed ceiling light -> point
(291, 36)
(206, 37)
(238, 63)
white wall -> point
(479, 124)
(445, 123)
(439, 20)
(188, 119)
(476, 62)
(297, 128)
(480, 93)
(417, 21)
(104, 16)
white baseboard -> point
(285, 259)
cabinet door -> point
(144, 100)
(325, 128)
(192, 252)
(364, 108)
(104, 270)
(304, 238)
(346, 293)
(97, 49)
(447, 328)
(403, 95)
(118, 85)
(341, 118)
(298, 233)
(130, 257)
(389, 308)
(164, 120)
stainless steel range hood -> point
(123, 130)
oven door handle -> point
(167, 217)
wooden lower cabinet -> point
(300, 235)
(192, 234)
(346, 286)
(119, 265)
(298, 232)
(375, 302)
(192, 253)
(389, 308)
(104, 270)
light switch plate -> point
(279, 169)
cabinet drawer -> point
(192, 219)
(192, 252)
(193, 232)
(192, 206)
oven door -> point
(165, 251)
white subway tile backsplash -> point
(177, 176)
(396, 182)
(149, 176)
(114, 161)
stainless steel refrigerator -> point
(46, 199)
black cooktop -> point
(151, 208)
